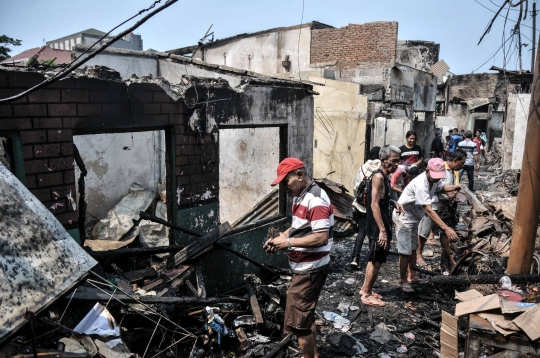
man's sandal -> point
(374, 294)
(375, 302)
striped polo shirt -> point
(312, 212)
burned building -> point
(202, 139)
(496, 103)
(370, 84)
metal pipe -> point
(528, 200)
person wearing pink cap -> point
(308, 242)
(417, 200)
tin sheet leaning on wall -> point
(38, 258)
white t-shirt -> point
(417, 194)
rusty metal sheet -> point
(38, 258)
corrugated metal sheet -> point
(266, 208)
(342, 202)
(38, 259)
(439, 69)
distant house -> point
(43, 53)
(88, 37)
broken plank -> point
(136, 252)
(133, 276)
(104, 297)
(195, 248)
(255, 305)
(242, 338)
(51, 353)
(476, 204)
(192, 288)
(449, 336)
(177, 282)
(278, 347)
(166, 277)
(201, 289)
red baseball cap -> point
(286, 166)
(436, 168)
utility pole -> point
(533, 37)
(528, 200)
(519, 46)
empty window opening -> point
(247, 166)
(124, 169)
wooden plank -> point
(104, 297)
(166, 277)
(449, 336)
(198, 246)
(135, 252)
(242, 338)
(201, 289)
(481, 304)
(177, 282)
(192, 288)
(255, 305)
(476, 204)
(137, 275)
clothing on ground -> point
(410, 155)
(312, 212)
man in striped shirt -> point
(308, 241)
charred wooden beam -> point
(255, 305)
(483, 279)
(278, 347)
(136, 252)
(103, 297)
(137, 275)
(150, 217)
(198, 247)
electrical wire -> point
(64, 72)
(502, 15)
(492, 56)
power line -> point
(492, 56)
(64, 72)
(515, 22)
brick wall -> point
(47, 120)
(478, 85)
(355, 46)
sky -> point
(456, 24)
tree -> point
(4, 50)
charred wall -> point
(47, 119)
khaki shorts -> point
(302, 298)
(407, 236)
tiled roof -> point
(45, 53)
(439, 68)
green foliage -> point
(4, 50)
(32, 61)
(49, 63)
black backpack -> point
(361, 193)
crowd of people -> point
(398, 194)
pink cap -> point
(436, 168)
